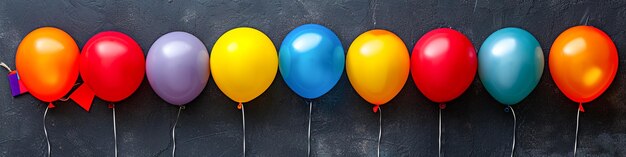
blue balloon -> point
(311, 60)
(510, 64)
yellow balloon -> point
(244, 63)
(377, 65)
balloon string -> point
(45, 131)
(585, 17)
(243, 121)
(5, 66)
(64, 99)
(174, 131)
(114, 130)
(439, 150)
(441, 107)
(309, 134)
(374, 12)
(475, 4)
(514, 128)
(576, 137)
(380, 129)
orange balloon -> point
(583, 62)
(378, 66)
(47, 63)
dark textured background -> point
(343, 123)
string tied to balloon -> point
(441, 107)
(580, 109)
(510, 109)
(45, 131)
(309, 130)
(112, 106)
(45, 114)
(243, 122)
(174, 131)
(380, 129)
(376, 108)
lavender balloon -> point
(178, 67)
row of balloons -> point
(583, 62)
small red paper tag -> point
(83, 96)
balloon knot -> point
(580, 107)
(442, 106)
(111, 105)
(375, 109)
(50, 105)
(239, 106)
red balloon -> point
(443, 64)
(113, 65)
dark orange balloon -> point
(583, 62)
(47, 63)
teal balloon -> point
(311, 60)
(510, 64)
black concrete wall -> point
(343, 123)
